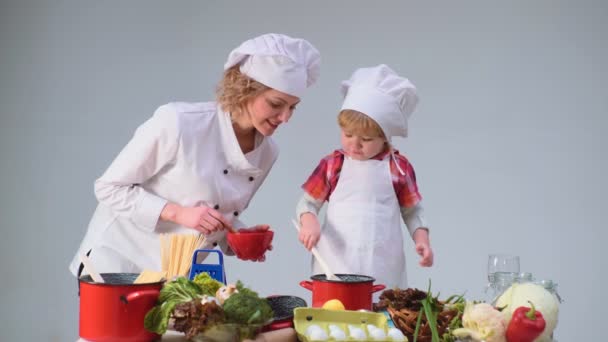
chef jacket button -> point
(216, 207)
(236, 213)
(214, 244)
(225, 171)
(251, 179)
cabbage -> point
(546, 302)
(481, 322)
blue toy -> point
(216, 271)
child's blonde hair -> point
(236, 89)
(359, 124)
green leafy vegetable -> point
(246, 307)
(208, 285)
(178, 291)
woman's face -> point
(270, 109)
(361, 147)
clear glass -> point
(503, 270)
(525, 277)
(502, 263)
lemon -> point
(333, 304)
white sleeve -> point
(308, 204)
(414, 218)
(153, 146)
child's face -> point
(361, 147)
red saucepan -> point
(115, 310)
(353, 290)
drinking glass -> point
(502, 263)
(503, 270)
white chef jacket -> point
(186, 153)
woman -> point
(196, 166)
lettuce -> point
(178, 291)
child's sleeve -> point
(308, 204)
(405, 184)
(414, 217)
(318, 184)
(410, 200)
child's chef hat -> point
(283, 63)
(382, 95)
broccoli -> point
(208, 285)
(246, 307)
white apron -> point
(362, 232)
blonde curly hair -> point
(236, 89)
(359, 124)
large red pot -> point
(115, 310)
(353, 290)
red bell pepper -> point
(526, 324)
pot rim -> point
(82, 280)
(321, 278)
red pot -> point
(353, 290)
(115, 310)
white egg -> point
(357, 333)
(311, 328)
(338, 334)
(333, 327)
(377, 335)
(396, 335)
(318, 335)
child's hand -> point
(310, 231)
(423, 247)
(426, 254)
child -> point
(368, 185)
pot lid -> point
(283, 306)
(116, 279)
(344, 278)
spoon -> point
(89, 267)
(328, 273)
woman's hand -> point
(310, 230)
(204, 219)
(423, 247)
(258, 228)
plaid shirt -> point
(324, 178)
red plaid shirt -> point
(324, 178)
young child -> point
(368, 185)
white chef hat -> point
(289, 65)
(382, 95)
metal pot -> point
(283, 307)
(115, 310)
(353, 290)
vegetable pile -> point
(422, 317)
(191, 307)
(526, 312)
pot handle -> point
(306, 284)
(378, 287)
(138, 294)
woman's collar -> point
(234, 155)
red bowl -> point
(250, 245)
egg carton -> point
(307, 320)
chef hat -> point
(381, 94)
(280, 62)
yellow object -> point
(148, 276)
(333, 304)
(176, 253)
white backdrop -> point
(507, 139)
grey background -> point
(508, 140)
